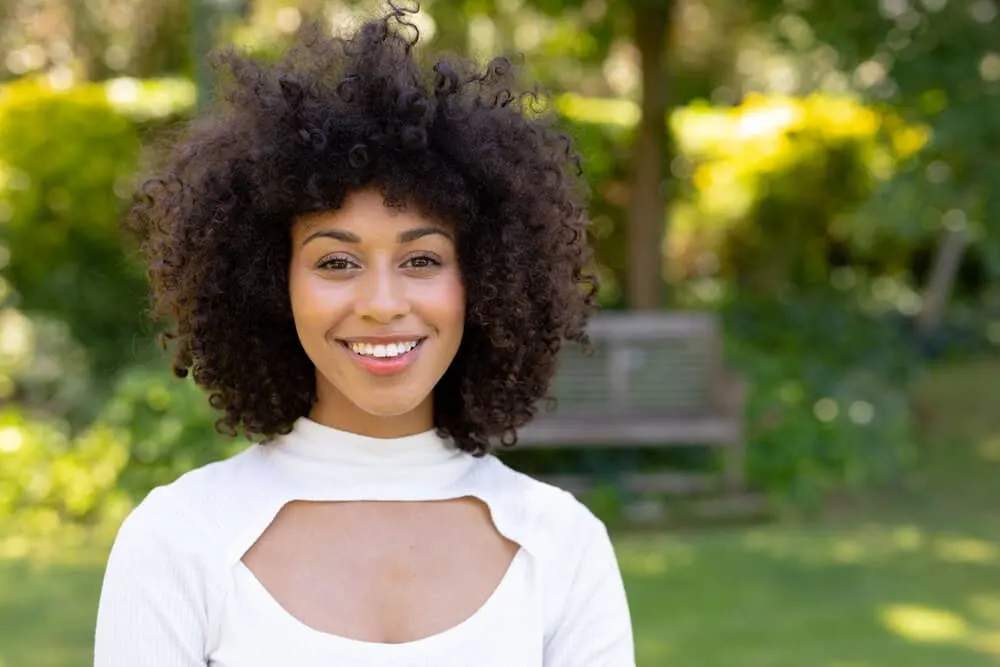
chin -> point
(387, 408)
(347, 394)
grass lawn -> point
(910, 579)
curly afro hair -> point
(335, 115)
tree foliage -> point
(937, 63)
(67, 161)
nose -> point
(382, 296)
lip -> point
(382, 366)
(382, 340)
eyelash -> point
(342, 263)
(431, 261)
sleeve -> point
(595, 627)
(152, 607)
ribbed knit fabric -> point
(176, 593)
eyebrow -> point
(408, 236)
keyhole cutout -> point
(384, 572)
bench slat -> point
(600, 430)
(656, 326)
(665, 483)
(668, 376)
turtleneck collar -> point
(323, 445)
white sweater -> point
(176, 593)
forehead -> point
(363, 210)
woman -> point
(370, 268)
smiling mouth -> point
(392, 350)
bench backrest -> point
(641, 364)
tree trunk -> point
(202, 20)
(644, 278)
(942, 279)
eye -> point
(421, 262)
(336, 264)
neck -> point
(336, 411)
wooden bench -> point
(653, 379)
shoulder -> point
(551, 517)
(199, 509)
(570, 545)
(166, 578)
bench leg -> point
(734, 456)
(734, 467)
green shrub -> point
(170, 424)
(47, 478)
(828, 403)
(154, 428)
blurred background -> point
(817, 179)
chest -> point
(377, 572)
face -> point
(379, 307)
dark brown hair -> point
(335, 115)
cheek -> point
(313, 301)
(445, 306)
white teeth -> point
(382, 351)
